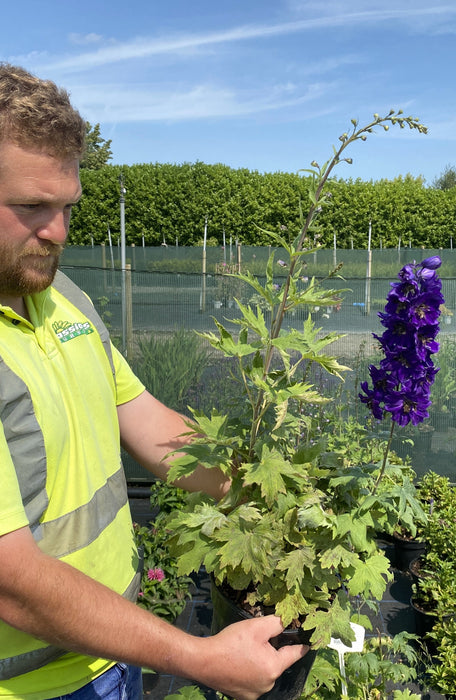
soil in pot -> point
(416, 570)
(290, 684)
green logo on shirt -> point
(65, 330)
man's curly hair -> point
(37, 114)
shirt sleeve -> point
(12, 513)
(128, 386)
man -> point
(68, 564)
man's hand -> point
(242, 663)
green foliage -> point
(297, 521)
(446, 180)
(169, 367)
(374, 673)
(188, 692)
(168, 201)
(436, 587)
(163, 590)
(98, 150)
(442, 668)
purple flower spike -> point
(401, 384)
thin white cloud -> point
(114, 104)
(145, 47)
(82, 39)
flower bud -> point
(432, 263)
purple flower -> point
(401, 384)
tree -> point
(98, 150)
(446, 180)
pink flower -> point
(155, 574)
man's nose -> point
(55, 227)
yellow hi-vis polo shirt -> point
(58, 399)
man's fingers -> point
(290, 654)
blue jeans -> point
(121, 682)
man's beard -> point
(23, 274)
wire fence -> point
(158, 297)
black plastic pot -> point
(424, 620)
(406, 550)
(290, 684)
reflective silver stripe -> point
(32, 660)
(25, 442)
(80, 527)
(75, 529)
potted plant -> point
(296, 532)
(163, 591)
(384, 669)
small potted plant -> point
(296, 533)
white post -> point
(203, 288)
(369, 271)
(122, 264)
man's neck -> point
(17, 304)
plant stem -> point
(385, 457)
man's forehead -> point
(33, 168)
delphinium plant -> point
(295, 534)
(400, 388)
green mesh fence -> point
(166, 297)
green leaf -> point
(291, 607)
(226, 343)
(370, 577)
(188, 692)
(338, 556)
(334, 622)
(250, 549)
(269, 474)
(294, 564)
(190, 561)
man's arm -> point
(58, 604)
(149, 431)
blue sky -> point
(268, 85)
